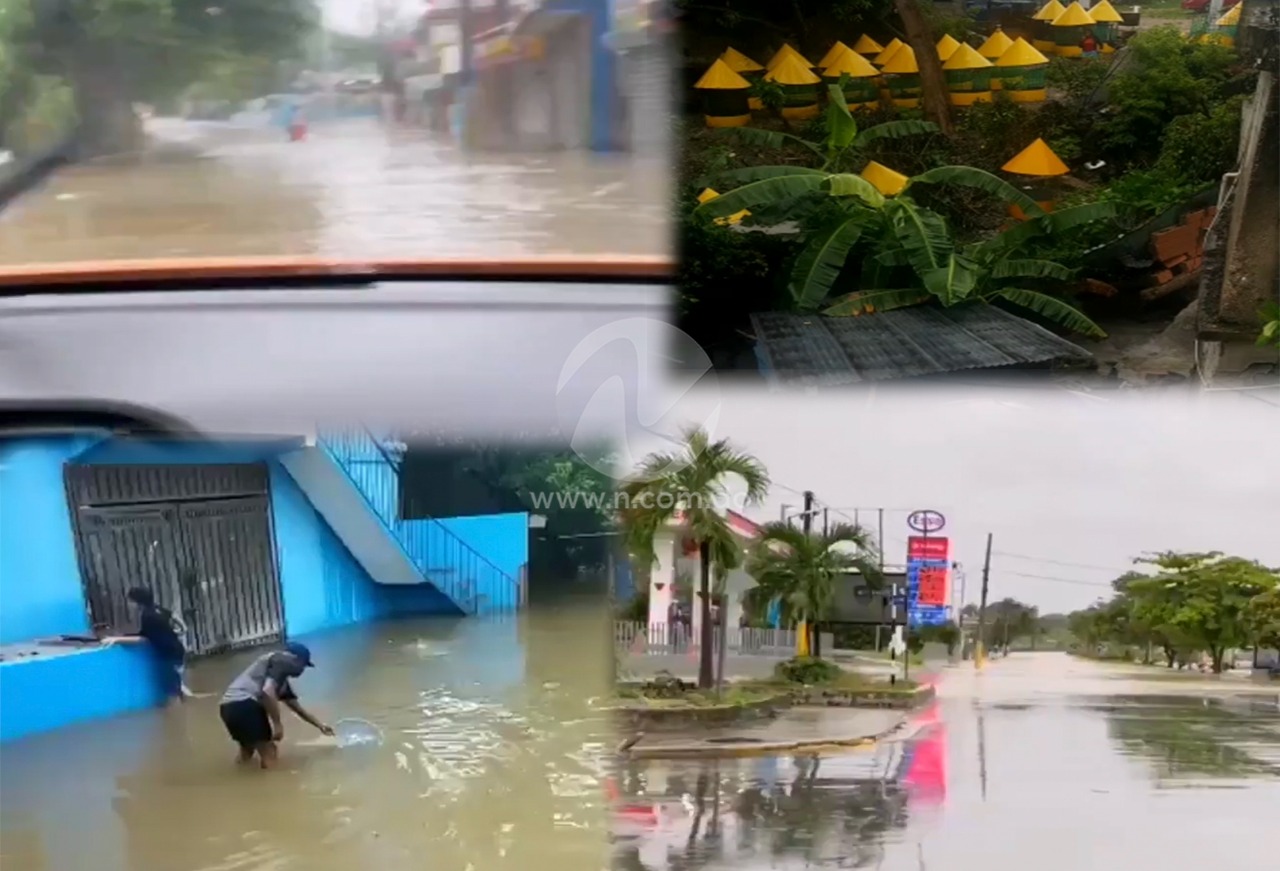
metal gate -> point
(198, 536)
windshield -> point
(350, 129)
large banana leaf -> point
(772, 139)
(978, 179)
(1046, 269)
(953, 282)
(1053, 222)
(893, 130)
(922, 235)
(871, 301)
(849, 185)
(1052, 308)
(819, 264)
(841, 128)
(759, 173)
(758, 193)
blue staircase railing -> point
(454, 567)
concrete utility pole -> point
(979, 648)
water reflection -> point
(491, 759)
(1024, 766)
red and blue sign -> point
(928, 579)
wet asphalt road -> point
(1041, 762)
(352, 189)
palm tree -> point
(799, 569)
(686, 485)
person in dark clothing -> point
(1089, 45)
(250, 707)
(159, 628)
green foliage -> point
(691, 482)
(124, 51)
(1168, 76)
(47, 115)
(807, 670)
(800, 570)
(1201, 146)
(1192, 602)
(1270, 335)
(1264, 618)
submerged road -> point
(1041, 762)
(352, 189)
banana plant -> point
(920, 261)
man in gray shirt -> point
(250, 707)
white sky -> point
(1078, 484)
(358, 16)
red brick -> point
(1163, 276)
(1176, 261)
(1168, 245)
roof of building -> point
(905, 343)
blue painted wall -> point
(55, 691)
(323, 586)
(503, 539)
(40, 592)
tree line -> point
(1183, 605)
(796, 571)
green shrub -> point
(807, 670)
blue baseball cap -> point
(301, 651)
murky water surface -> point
(491, 759)
(352, 189)
(1041, 762)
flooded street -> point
(1042, 761)
(489, 760)
(352, 189)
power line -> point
(1072, 581)
(1054, 562)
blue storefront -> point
(250, 541)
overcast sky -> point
(1072, 487)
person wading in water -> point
(250, 707)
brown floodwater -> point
(490, 759)
(352, 189)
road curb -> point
(773, 748)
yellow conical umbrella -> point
(946, 46)
(883, 179)
(883, 57)
(1021, 54)
(1230, 18)
(1037, 159)
(852, 63)
(965, 57)
(1049, 11)
(833, 54)
(1104, 13)
(1074, 15)
(739, 62)
(903, 62)
(995, 45)
(792, 71)
(719, 77)
(783, 53)
(867, 45)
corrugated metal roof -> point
(905, 343)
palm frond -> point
(771, 139)
(846, 184)
(980, 180)
(893, 130)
